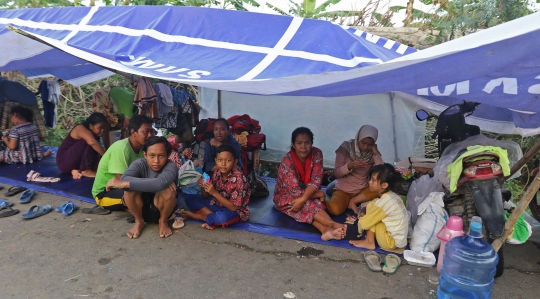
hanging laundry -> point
(54, 98)
(101, 102)
(48, 107)
(145, 98)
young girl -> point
(386, 218)
(22, 141)
(80, 152)
(229, 192)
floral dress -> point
(288, 187)
(28, 150)
(236, 189)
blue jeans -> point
(220, 215)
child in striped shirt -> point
(386, 219)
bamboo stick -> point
(521, 206)
(528, 156)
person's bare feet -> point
(362, 244)
(88, 173)
(191, 215)
(76, 174)
(333, 234)
(164, 230)
(135, 231)
(47, 153)
(204, 225)
(344, 232)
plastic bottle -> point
(452, 229)
(469, 266)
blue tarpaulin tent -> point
(276, 55)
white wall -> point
(332, 121)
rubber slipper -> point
(7, 211)
(36, 211)
(130, 219)
(391, 263)
(97, 210)
(15, 190)
(26, 196)
(178, 223)
(373, 261)
(67, 208)
(5, 204)
(1, 187)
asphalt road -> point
(90, 256)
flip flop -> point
(67, 208)
(36, 211)
(14, 190)
(178, 223)
(5, 204)
(373, 261)
(1, 187)
(391, 263)
(26, 196)
(97, 210)
(7, 211)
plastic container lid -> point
(422, 259)
(454, 223)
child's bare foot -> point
(47, 153)
(333, 234)
(164, 230)
(76, 174)
(362, 244)
(204, 225)
(135, 231)
(88, 173)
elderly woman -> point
(354, 158)
(297, 191)
(80, 152)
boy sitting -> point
(229, 192)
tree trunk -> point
(409, 17)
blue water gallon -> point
(469, 266)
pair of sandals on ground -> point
(35, 211)
(374, 261)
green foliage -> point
(10, 4)
(516, 187)
(55, 136)
(307, 9)
(456, 18)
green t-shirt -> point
(115, 161)
(123, 100)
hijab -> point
(351, 146)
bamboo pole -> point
(521, 206)
(528, 156)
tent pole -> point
(521, 206)
(394, 126)
(219, 103)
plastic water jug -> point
(452, 229)
(469, 266)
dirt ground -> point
(90, 256)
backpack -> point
(255, 141)
(258, 187)
(205, 129)
(241, 123)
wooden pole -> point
(521, 206)
(528, 156)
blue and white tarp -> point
(276, 55)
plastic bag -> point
(419, 190)
(186, 166)
(454, 150)
(432, 217)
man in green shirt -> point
(118, 158)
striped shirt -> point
(390, 210)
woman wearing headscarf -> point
(354, 158)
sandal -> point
(373, 261)
(7, 211)
(5, 204)
(391, 263)
(27, 196)
(36, 211)
(178, 223)
(97, 210)
(15, 190)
